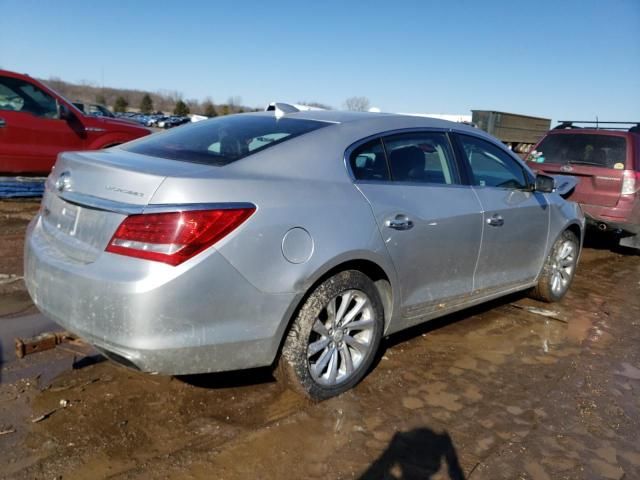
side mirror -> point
(63, 112)
(544, 184)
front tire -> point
(333, 340)
(559, 269)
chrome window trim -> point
(412, 184)
(96, 203)
(401, 131)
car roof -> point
(374, 120)
(592, 131)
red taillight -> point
(176, 236)
(630, 182)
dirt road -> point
(496, 392)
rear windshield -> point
(584, 149)
(223, 140)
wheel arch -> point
(577, 231)
(109, 140)
(573, 227)
(383, 279)
(371, 269)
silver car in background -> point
(296, 240)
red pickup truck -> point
(605, 157)
(36, 124)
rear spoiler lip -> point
(103, 204)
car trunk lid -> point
(597, 159)
(88, 195)
(596, 186)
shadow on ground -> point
(608, 241)
(88, 360)
(233, 379)
(416, 454)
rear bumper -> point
(624, 217)
(202, 316)
(605, 223)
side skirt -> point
(438, 308)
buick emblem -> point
(63, 183)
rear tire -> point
(559, 269)
(333, 340)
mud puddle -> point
(494, 392)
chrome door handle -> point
(495, 221)
(400, 222)
(3, 122)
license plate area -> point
(60, 216)
(79, 232)
(65, 219)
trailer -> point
(519, 132)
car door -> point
(430, 222)
(31, 132)
(515, 219)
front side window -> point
(368, 161)
(421, 157)
(606, 151)
(491, 166)
(20, 96)
(223, 140)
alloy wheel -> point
(563, 267)
(341, 338)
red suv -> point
(607, 163)
(36, 124)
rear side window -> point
(491, 166)
(368, 162)
(582, 149)
(223, 140)
(421, 157)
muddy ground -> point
(14, 217)
(495, 392)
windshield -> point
(598, 150)
(223, 140)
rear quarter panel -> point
(300, 183)
(336, 216)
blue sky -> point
(558, 59)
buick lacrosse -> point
(292, 239)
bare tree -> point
(316, 104)
(357, 104)
(194, 105)
(208, 108)
(235, 104)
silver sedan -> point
(295, 240)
